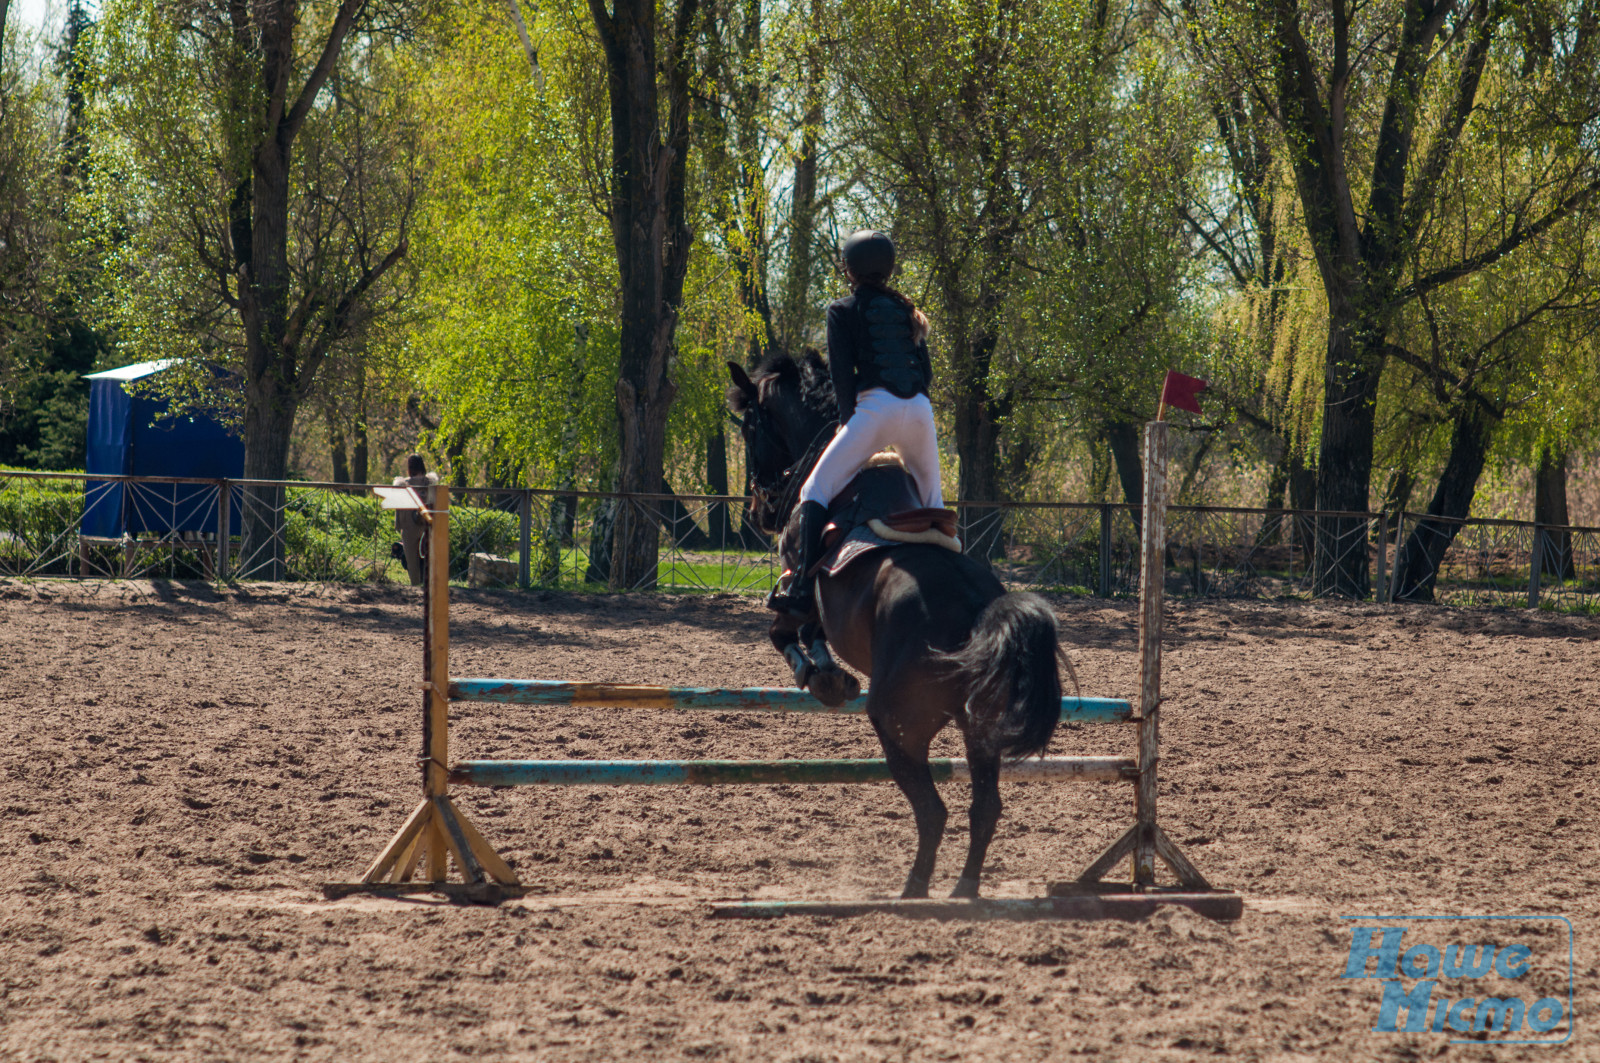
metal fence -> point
(336, 533)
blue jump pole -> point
(759, 699)
(764, 772)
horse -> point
(939, 637)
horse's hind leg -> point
(985, 814)
(910, 771)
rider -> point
(878, 358)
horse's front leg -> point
(832, 685)
(785, 636)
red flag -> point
(1182, 392)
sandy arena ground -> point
(184, 766)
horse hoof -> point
(833, 687)
(916, 889)
(966, 889)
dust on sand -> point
(184, 765)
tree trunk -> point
(1417, 569)
(359, 465)
(1303, 496)
(720, 518)
(977, 426)
(268, 425)
(1344, 461)
(803, 200)
(341, 461)
(1550, 510)
(648, 211)
(1123, 437)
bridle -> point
(790, 478)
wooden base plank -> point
(1128, 906)
(415, 826)
(465, 892)
(497, 868)
(466, 860)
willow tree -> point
(1374, 102)
(256, 159)
(516, 328)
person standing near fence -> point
(408, 522)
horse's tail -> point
(1013, 685)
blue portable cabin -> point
(134, 435)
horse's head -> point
(786, 411)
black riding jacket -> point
(870, 346)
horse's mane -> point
(805, 376)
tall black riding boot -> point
(799, 597)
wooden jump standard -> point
(437, 831)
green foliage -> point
(336, 537)
(482, 530)
(38, 518)
(1030, 158)
(517, 336)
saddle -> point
(879, 509)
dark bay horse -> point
(938, 636)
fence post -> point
(1535, 566)
(1105, 549)
(1399, 544)
(1383, 556)
(525, 537)
(224, 530)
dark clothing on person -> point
(410, 525)
(871, 345)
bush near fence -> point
(34, 517)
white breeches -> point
(881, 418)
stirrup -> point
(798, 600)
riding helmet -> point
(869, 254)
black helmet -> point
(869, 254)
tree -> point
(259, 158)
(45, 345)
(1375, 102)
(647, 208)
(1020, 150)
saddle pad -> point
(860, 540)
(914, 521)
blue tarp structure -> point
(136, 436)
